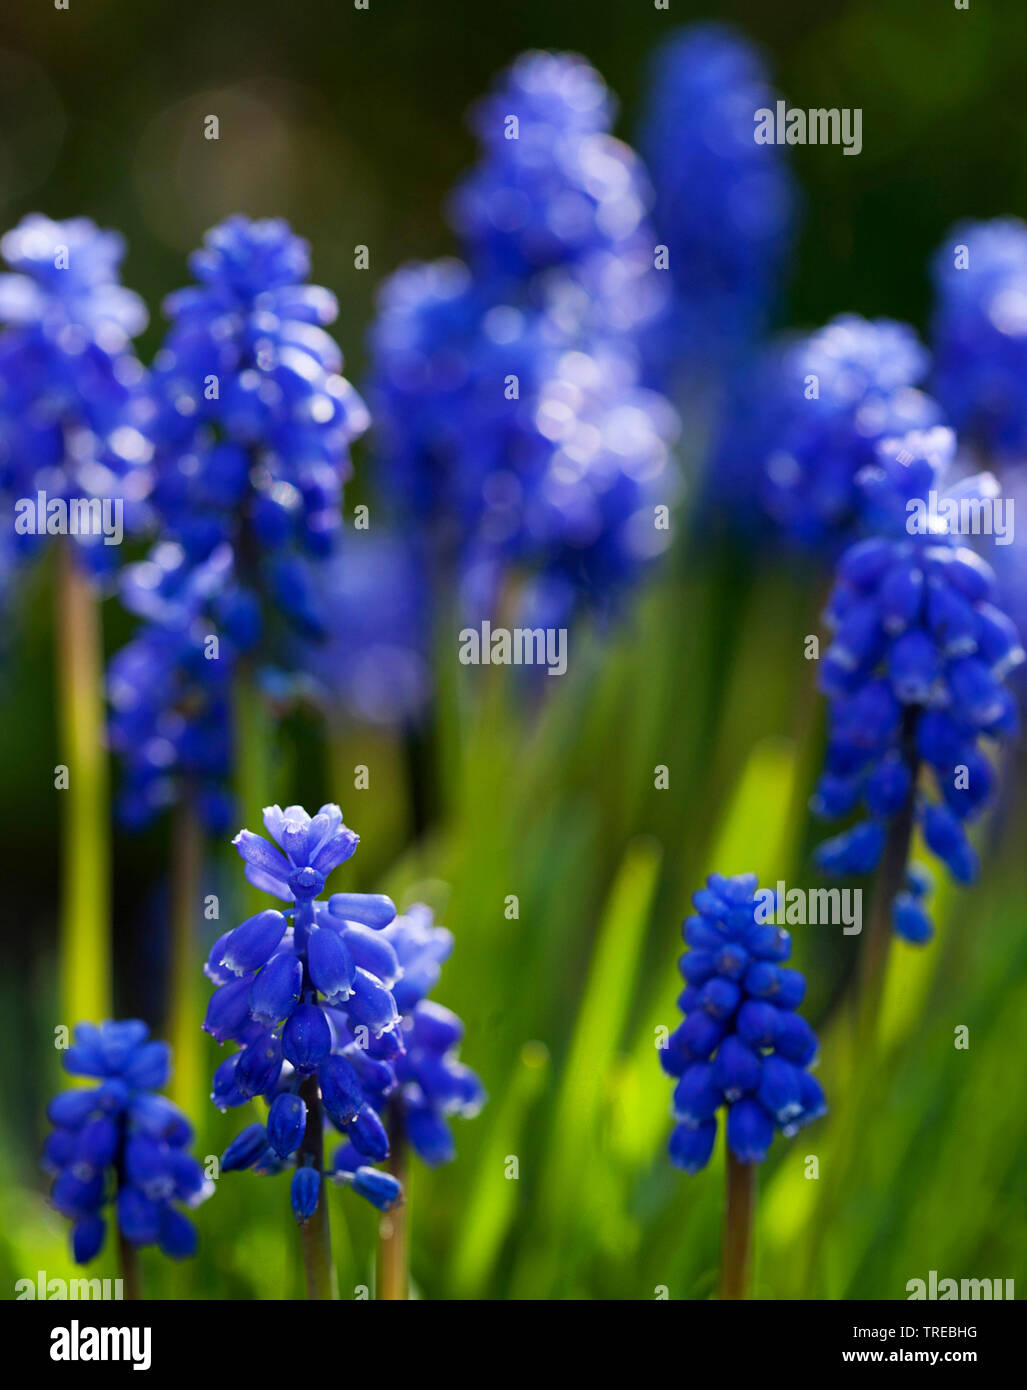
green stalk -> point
(129, 1257)
(394, 1229)
(739, 1212)
(184, 976)
(85, 932)
(318, 1268)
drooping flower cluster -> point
(306, 993)
(980, 333)
(254, 422)
(74, 409)
(514, 429)
(724, 206)
(168, 689)
(914, 674)
(805, 418)
(742, 1045)
(432, 1083)
(119, 1144)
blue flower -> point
(725, 206)
(433, 1085)
(980, 333)
(915, 674)
(555, 190)
(120, 1143)
(74, 404)
(169, 690)
(805, 416)
(742, 1046)
(306, 993)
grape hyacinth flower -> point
(75, 456)
(120, 1144)
(429, 1085)
(724, 206)
(74, 407)
(555, 191)
(915, 676)
(980, 334)
(742, 1048)
(806, 416)
(306, 994)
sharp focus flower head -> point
(980, 333)
(121, 1144)
(742, 1046)
(306, 994)
(915, 675)
(724, 206)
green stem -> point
(315, 1232)
(129, 1257)
(739, 1211)
(184, 975)
(85, 933)
(394, 1230)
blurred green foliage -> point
(351, 124)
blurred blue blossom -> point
(742, 1046)
(433, 1083)
(915, 675)
(804, 417)
(306, 993)
(725, 207)
(513, 427)
(74, 408)
(121, 1144)
(980, 333)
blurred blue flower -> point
(804, 417)
(74, 406)
(980, 333)
(306, 993)
(742, 1046)
(724, 206)
(433, 1083)
(169, 689)
(121, 1144)
(915, 673)
(555, 190)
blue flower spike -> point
(119, 1151)
(915, 676)
(743, 1053)
(305, 991)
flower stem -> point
(85, 935)
(129, 1257)
(393, 1229)
(184, 974)
(316, 1234)
(420, 759)
(739, 1211)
